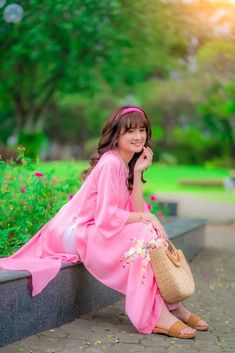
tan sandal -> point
(193, 321)
(174, 330)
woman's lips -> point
(137, 144)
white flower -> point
(131, 252)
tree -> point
(217, 64)
(69, 46)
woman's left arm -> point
(137, 197)
(142, 163)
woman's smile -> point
(137, 144)
(132, 141)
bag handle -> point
(173, 253)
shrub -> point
(29, 199)
(34, 142)
(159, 210)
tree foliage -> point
(67, 64)
(71, 46)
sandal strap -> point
(175, 329)
(193, 320)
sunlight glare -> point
(232, 2)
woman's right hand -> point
(149, 217)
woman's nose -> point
(137, 135)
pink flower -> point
(38, 174)
(21, 148)
(149, 206)
(153, 197)
(23, 189)
(159, 214)
(70, 196)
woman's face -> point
(133, 140)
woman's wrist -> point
(143, 216)
(137, 172)
(140, 216)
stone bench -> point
(201, 182)
(74, 291)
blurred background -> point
(65, 65)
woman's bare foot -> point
(167, 319)
(183, 314)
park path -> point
(199, 205)
(109, 330)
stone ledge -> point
(74, 291)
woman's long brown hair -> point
(110, 134)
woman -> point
(107, 226)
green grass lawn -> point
(159, 178)
(166, 179)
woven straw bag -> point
(173, 275)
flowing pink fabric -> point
(97, 214)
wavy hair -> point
(109, 139)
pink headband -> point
(130, 110)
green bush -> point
(29, 199)
(191, 146)
(34, 142)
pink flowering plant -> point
(157, 208)
(29, 198)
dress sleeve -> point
(131, 208)
(109, 218)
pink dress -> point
(92, 228)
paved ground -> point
(109, 330)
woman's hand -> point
(144, 160)
(149, 217)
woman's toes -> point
(187, 331)
(202, 323)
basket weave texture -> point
(174, 280)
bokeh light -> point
(13, 13)
(2, 3)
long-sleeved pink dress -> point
(92, 228)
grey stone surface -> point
(109, 329)
(188, 235)
(223, 237)
(7, 276)
(171, 207)
(62, 300)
